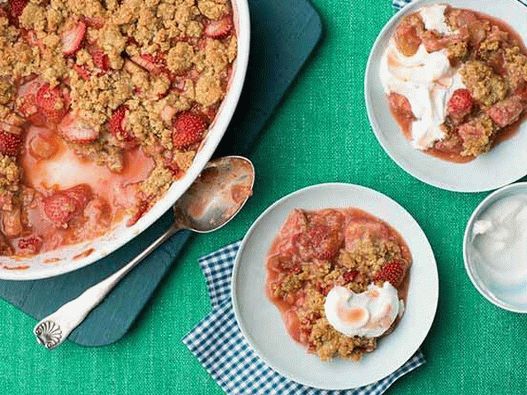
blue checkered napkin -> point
(221, 348)
(398, 4)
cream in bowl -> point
(496, 248)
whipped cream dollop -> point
(368, 314)
(433, 17)
(499, 249)
(426, 79)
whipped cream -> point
(426, 79)
(499, 246)
(368, 314)
(434, 18)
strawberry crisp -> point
(103, 104)
(456, 81)
(319, 256)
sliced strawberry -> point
(140, 210)
(60, 209)
(220, 28)
(82, 72)
(30, 245)
(506, 112)
(174, 168)
(189, 128)
(16, 8)
(117, 125)
(320, 241)
(33, 40)
(10, 143)
(401, 105)
(393, 272)
(350, 276)
(51, 102)
(80, 193)
(100, 59)
(460, 104)
(94, 22)
(75, 130)
(62, 206)
(154, 64)
(26, 104)
(72, 38)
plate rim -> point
(246, 239)
(376, 127)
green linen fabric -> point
(319, 134)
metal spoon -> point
(211, 202)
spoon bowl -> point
(215, 198)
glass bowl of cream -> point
(495, 248)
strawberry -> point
(60, 209)
(116, 124)
(189, 128)
(10, 143)
(320, 242)
(220, 28)
(33, 40)
(62, 206)
(140, 210)
(460, 104)
(100, 59)
(72, 38)
(82, 72)
(393, 272)
(74, 130)
(30, 245)
(26, 97)
(16, 8)
(154, 64)
(350, 276)
(80, 193)
(94, 22)
(51, 103)
(174, 169)
(400, 105)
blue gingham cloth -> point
(221, 348)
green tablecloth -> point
(321, 133)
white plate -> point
(260, 320)
(503, 165)
(69, 258)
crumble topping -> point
(318, 250)
(492, 64)
(108, 78)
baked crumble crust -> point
(149, 60)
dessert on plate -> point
(103, 105)
(456, 81)
(339, 278)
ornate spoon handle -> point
(55, 328)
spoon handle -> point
(55, 328)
